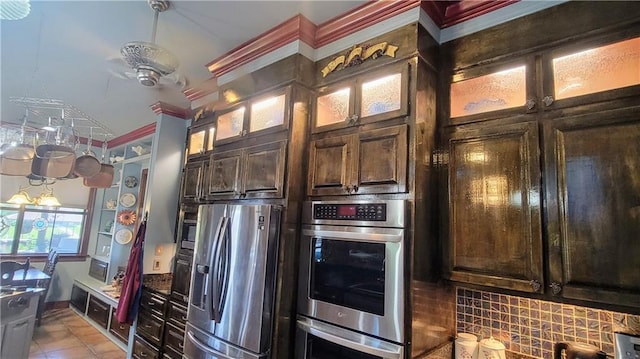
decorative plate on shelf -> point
(127, 217)
(130, 181)
(127, 200)
(124, 236)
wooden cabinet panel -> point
(382, 164)
(494, 201)
(119, 330)
(330, 165)
(144, 350)
(153, 303)
(181, 277)
(593, 192)
(177, 314)
(193, 180)
(150, 327)
(251, 172)
(367, 162)
(224, 177)
(173, 338)
(79, 298)
(99, 311)
(264, 170)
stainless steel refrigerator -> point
(231, 303)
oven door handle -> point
(347, 343)
(391, 235)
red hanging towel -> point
(132, 282)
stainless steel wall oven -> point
(352, 278)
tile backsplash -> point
(532, 326)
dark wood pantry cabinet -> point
(494, 205)
(542, 174)
(592, 172)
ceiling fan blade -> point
(124, 75)
(175, 80)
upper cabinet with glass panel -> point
(259, 115)
(592, 70)
(200, 139)
(368, 98)
(492, 92)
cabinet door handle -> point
(143, 354)
(183, 318)
(347, 189)
(531, 104)
(122, 327)
(535, 285)
(556, 288)
(354, 188)
(547, 100)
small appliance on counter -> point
(627, 346)
(466, 346)
(491, 349)
(574, 350)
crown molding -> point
(171, 110)
(133, 135)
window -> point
(27, 230)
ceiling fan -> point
(148, 62)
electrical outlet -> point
(156, 264)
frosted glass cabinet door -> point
(372, 97)
(267, 112)
(230, 124)
(597, 69)
(491, 92)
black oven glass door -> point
(349, 274)
(354, 277)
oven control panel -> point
(351, 212)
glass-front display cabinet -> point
(373, 97)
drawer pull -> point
(147, 325)
(151, 303)
(183, 318)
(143, 354)
(181, 345)
(122, 327)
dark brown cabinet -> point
(181, 276)
(173, 341)
(78, 298)
(150, 325)
(367, 162)
(143, 350)
(194, 176)
(99, 311)
(494, 206)
(251, 172)
(119, 330)
(592, 171)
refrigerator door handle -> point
(219, 270)
(225, 267)
(205, 348)
(212, 280)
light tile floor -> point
(63, 334)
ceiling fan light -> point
(148, 77)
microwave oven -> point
(188, 238)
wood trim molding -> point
(133, 135)
(206, 88)
(461, 11)
(296, 28)
(360, 18)
(171, 110)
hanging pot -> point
(87, 165)
(16, 160)
(104, 178)
(53, 161)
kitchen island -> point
(18, 307)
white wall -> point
(71, 193)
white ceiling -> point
(62, 51)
